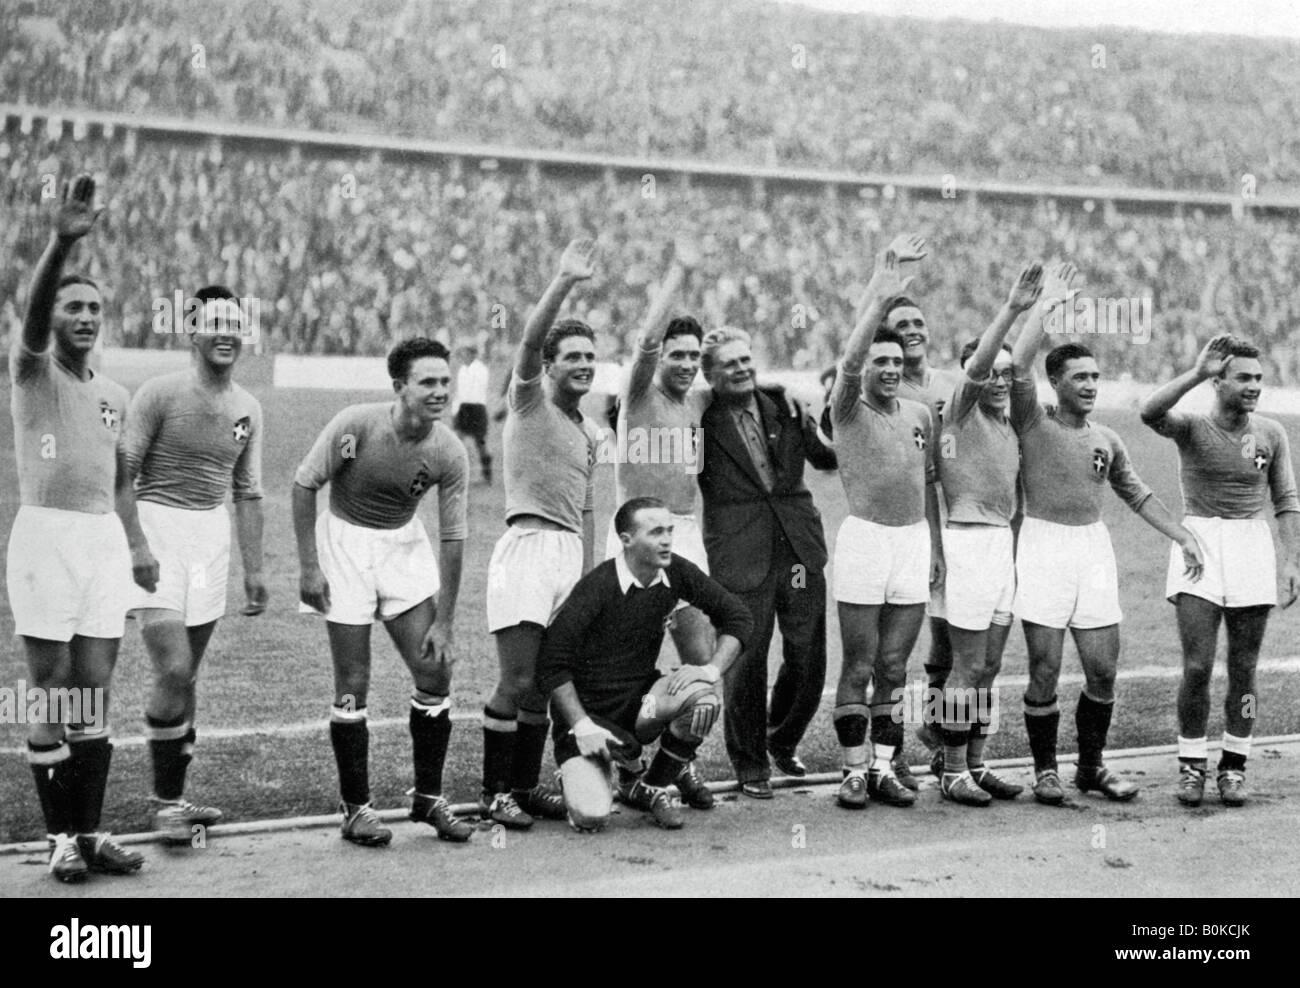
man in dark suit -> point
(764, 540)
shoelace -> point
(856, 781)
(192, 809)
(1050, 776)
(1235, 777)
(690, 775)
(505, 803)
(65, 850)
(1192, 776)
(366, 814)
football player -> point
(597, 663)
(550, 452)
(886, 551)
(193, 436)
(1231, 461)
(76, 542)
(368, 556)
(1065, 566)
(979, 462)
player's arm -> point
(144, 568)
(453, 514)
(1058, 289)
(1125, 482)
(324, 460)
(575, 265)
(933, 518)
(588, 540)
(246, 489)
(555, 661)
(886, 284)
(1286, 508)
(731, 619)
(816, 452)
(1024, 293)
(650, 339)
(75, 217)
(1211, 362)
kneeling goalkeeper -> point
(597, 664)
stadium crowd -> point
(734, 81)
(349, 255)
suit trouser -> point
(796, 597)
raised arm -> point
(1058, 290)
(1024, 293)
(685, 257)
(75, 217)
(886, 284)
(575, 266)
(1211, 362)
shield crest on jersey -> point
(1099, 463)
(1261, 461)
(109, 416)
(421, 483)
(243, 429)
(918, 437)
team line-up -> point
(969, 502)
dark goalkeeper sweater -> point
(606, 642)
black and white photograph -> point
(649, 449)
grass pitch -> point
(267, 672)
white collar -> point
(626, 580)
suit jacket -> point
(742, 517)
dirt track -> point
(800, 844)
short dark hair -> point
(402, 356)
(899, 302)
(209, 292)
(969, 349)
(76, 279)
(886, 335)
(562, 330)
(1241, 348)
(1061, 355)
(684, 326)
(626, 514)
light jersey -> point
(188, 444)
(549, 457)
(659, 439)
(66, 434)
(377, 478)
(472, 383)
(1064, 470)
(978, 460)
(886, 457)
(933, 392)
(1229, 474)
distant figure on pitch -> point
(471, 415)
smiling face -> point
(219, 340)
(1076, 386)
(1238, 388)
(650, 543)
(908, 322)
(76, 320)
(679, 364)
(574, 366)
(732, 373)
(883, 372)
(427, 389)
(995, 392)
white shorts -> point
(373, 572)
(1066, 576)
(1240, 563)
(881, 564)
(68, 573)
(531, 573)
(193, 553)
(981, 576)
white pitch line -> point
(1287, 664)
(731, 785)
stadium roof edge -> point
(930, 185)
